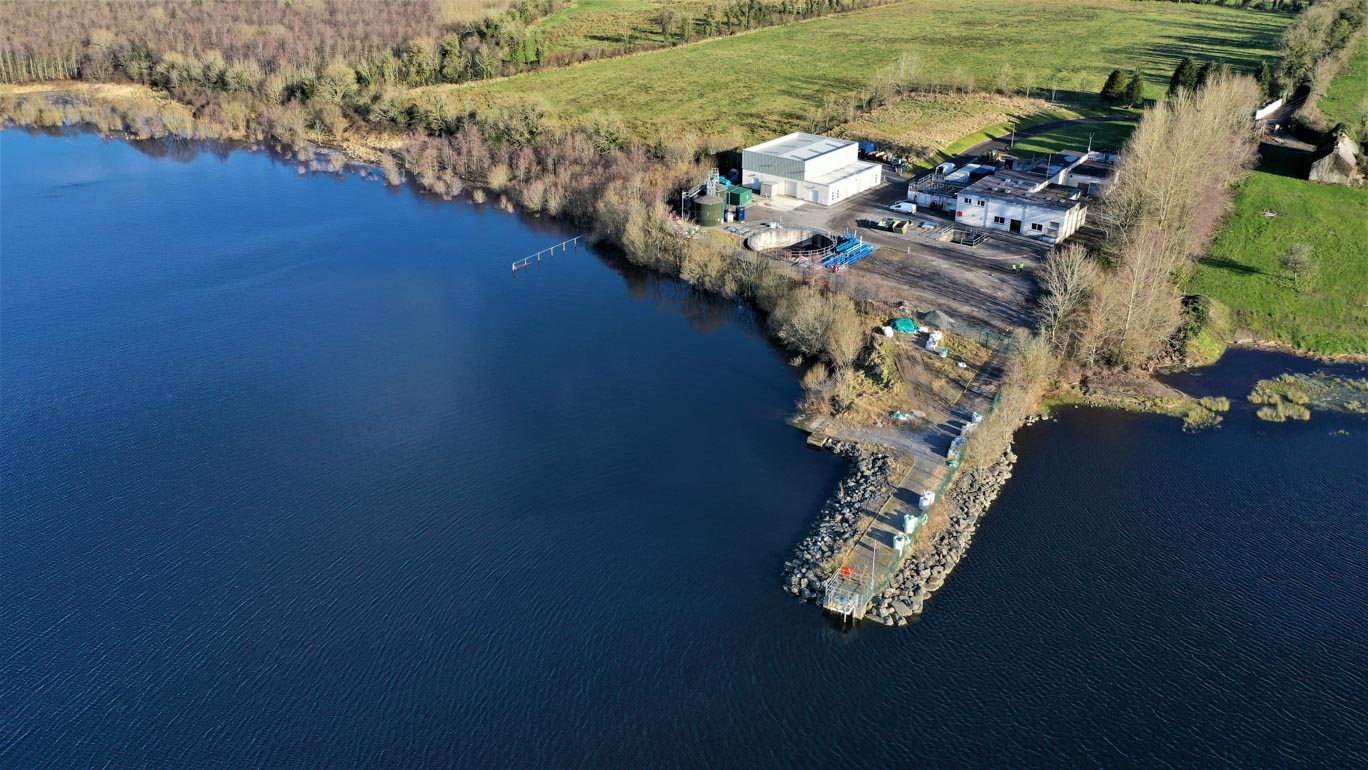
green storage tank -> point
(708, 209)
(738, 196)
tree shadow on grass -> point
(1233, 266)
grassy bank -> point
(773, 80)
(1328, 313)
(1003, 128)
(1346, 101)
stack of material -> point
(933, 341)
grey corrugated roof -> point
(800, 146)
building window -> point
(968, 200)
(983, 202)
(1037, 227)
(999, 220)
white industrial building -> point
(1022, 203)
(1090, 171)
(811, 168)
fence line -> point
(896, 564)
(999, 344)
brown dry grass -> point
(465, 11)
(95, 90)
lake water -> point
(297, 473)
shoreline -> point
(1274, 346)
(933, 554)
(869, 480)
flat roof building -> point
(1023, 203)
(809, 167)
(1042, 198)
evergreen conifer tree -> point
(1264, 76)
(1135, 90)
(1114, 90)
(1203, 74)
(1185, 76)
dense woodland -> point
(275, 49)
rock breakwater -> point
(867, 483)
(925, 572)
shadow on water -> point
(1235, 373)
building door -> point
(812, 196)
(1015, 226)
(791, 188)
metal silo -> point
(708, 210)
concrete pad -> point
(776, 204)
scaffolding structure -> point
(848, 592)
(711, 186)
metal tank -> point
(708, 209)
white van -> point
(904, 207)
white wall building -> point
(1090, 171)
(811, 168)
(1022, 203)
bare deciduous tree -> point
(1069, 279)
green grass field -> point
(1108, 135)
(770, 81)
(591, 24)
(1243, 271)
(1346, 101)
(921, 127)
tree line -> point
(273, 49)
(1281, 6)
(281, 49)
(1316, 48)
(1190, 76)
(1170, 191)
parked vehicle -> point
(904, 207)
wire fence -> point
(869, 580)
(882, 580)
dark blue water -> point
(295, 473)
